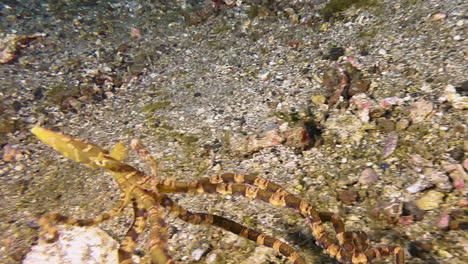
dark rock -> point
(412, 209)
(418, 248)
(335, 53)
(457, 154)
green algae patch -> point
(58, 93)
(337, 6)
(221, 29)
(156, 106)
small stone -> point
(441, 180)
(135, 33)
(377, 112)
(444, 221)
(457, 154)
(382, 52)
(214, 257)
(391, 101)
(335, 53)
(458, 175)
(385, 125)
(264, 76)
(10, 153)
(197, 254)
(318, 99)
(457, 101)
(418, 248)
(402, 124)
(348, 197)
(420, 185)
(412, 209)
(358, 86)
(438, 16)
(418, 160)
(430, 200)
(420, 110)
(362, 101)
(406, 220)
(298, 138)
(368, 175)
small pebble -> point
(382, 52)
(420, 110)
(198, 253)
(458, 175)
(441, 180)
(444, 221)
(413, 210)
(348, 197)
(420, 185)
(318, 99)
(438, 16)
(368, 175)
(135, 33)
(430, 200)
(402, 125)
(418, 160)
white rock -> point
(457, 101)
(76, 245)
(382, 52)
